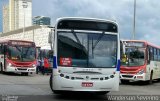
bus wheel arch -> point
(51, 86)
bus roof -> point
(145, 42)
(8, 40)
(86, 19)
(80, 23)
(17, 42)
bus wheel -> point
(50, 83)
(151, 78)
(51, 86)
(124, 81)
(1, 68)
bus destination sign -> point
(21, 43)
(135, 44)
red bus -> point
(17, 56)
(140, 61)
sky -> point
(2, 2)
(147, 14)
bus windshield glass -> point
(21, 53)
(87, 50)
(134, 57)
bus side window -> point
(149, 56)
(150, 50)
(2, 49)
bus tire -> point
(151, 78)
(1, 69)
(51, 86)
(50, 83)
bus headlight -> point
(33, 65)
(141, 71)
(9, 64)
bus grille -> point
(21, 68)
(127, 76)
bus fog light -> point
(106, 78)
(112, 76)
(67, 77)
(101, 78)
(72, 78)
(62, 75)
(59, 71)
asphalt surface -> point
(36, 88)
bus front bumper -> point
(64, 84)
(21, 69)
(133, 77)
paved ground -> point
(36, 87)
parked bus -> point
(86, 55)
(140, 61)
(45, 60)
(17, 56)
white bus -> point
(86, 55)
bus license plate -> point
(87, 84)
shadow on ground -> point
(141, 83)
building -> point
(19, 15)
(38, 34)
(5, 18)
(41, 20)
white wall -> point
(39, 36)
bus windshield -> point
(88, 50)
(134, 57)
(21, 53)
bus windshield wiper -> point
(74, 34)
(99, 39)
